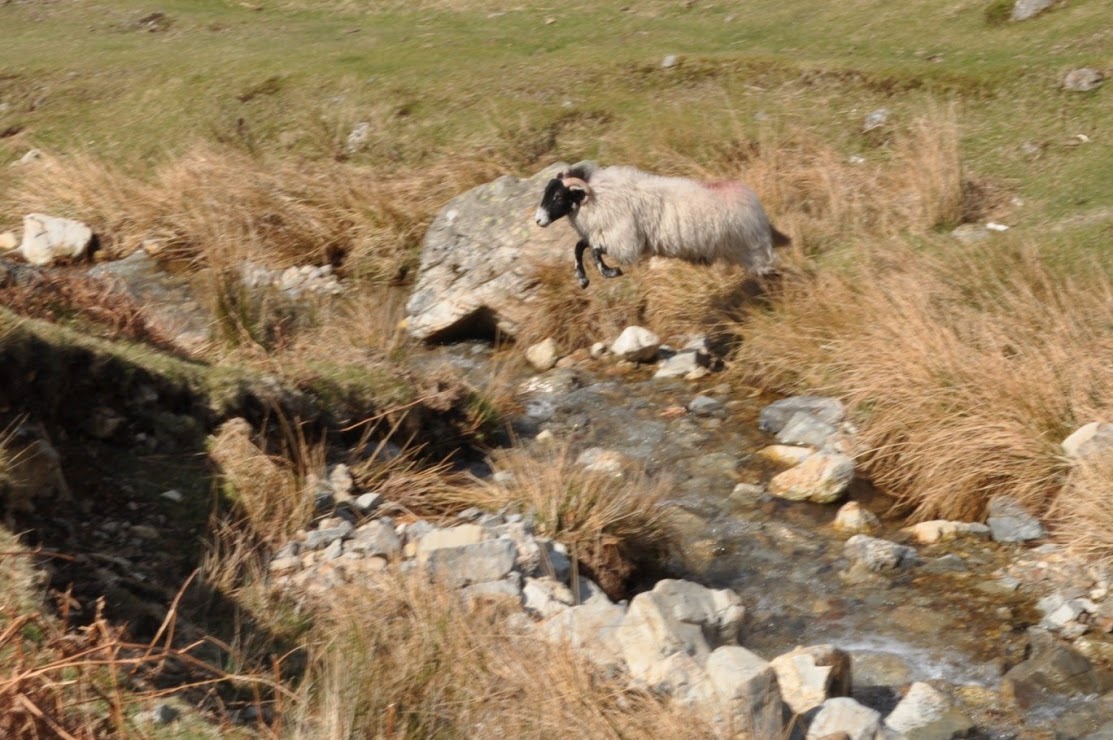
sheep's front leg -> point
(607, 272)
(581, 245)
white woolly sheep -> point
(628, 214)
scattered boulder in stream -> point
(878, 555)
(1054, 670)
(940, 530)
(776, 415)
(809, 676)
(853, 517)
(821, 478)
(478, 258)
(842, 716)
(926, 713)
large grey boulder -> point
(1009, 522)
(47, 239)
(776, 415)
(479, 256)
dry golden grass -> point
(609, 523)
(403, 659)
(268, 490)
(811, 191)
(220, 206)
(1082, 512)
(965, 367)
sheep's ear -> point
(559, 175)
(575, 188)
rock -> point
(479, 257)
(706, 406)
(873, 669)
(169, 304)
(853, 517)
(774, 416)
(358, 137)
(546, 597)
(926, 714)
(464, 565)
(598, 349)
(607, 462)
(650, 633)
(376, 538)
(875, 120)
(8, 241)
(845, 717)
(325, 536)
(47, 239)
(543, 355)
(1083, 79)
(940, 530)
(747, 493)
(808, 676)
(506, 591)
(683, 363)
(1089, 439)
(747, 685)
(1025, 9)
(1055, 670)
(368, 502)
(878, 555)
(786, 454)
(172, 495)
(451, 537)
(970, 233)
(805, 429)
(636, 344)
(669, 60)
(682, 677)
(160, 714)
(590, 627)
(1009, 522)
(1067, 612)
(822, 478)
(677, 617)
(340, 480)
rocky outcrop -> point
(477, 261)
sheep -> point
(628, 214)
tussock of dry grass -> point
(267, 489)
(221, 206)
(404, 659)
(966, 368)
(1083, 512)
(609, 523)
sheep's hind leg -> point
(607, 272)
(581, 245)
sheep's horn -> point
(570, 182)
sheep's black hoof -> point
(612, 272)
(582, 279)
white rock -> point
(926, 714)
(456, 567)
(590, 627)
(1089, 439)
(543, 355)
(747, 686)
(853, 517)
(682, 677)
(636, 344)
(8, 241)
(48, 238)
(821, 478)
(876, 119)
(806, 429)
(460, 536)
(505, 591)
(808, 676)
(650, 633)
(598, 350)
(546, 596)
(719, 612)
(1025, 9)
(786, 454)
(844, 715)
(774, 416)
(607, 462)
(940, 530)
(683, 363)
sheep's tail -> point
(780, 239)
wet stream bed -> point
(956, 618)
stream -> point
(955, 619)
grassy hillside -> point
(220, 130)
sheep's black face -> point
(558, 201)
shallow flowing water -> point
(949, 619)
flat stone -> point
(636, 344)
(321, 538)
(506, 591)
(681, 364)
(804, 428)
(464, 565)
(774, 416)
(940, 530)
(706, 406)
(451, 537)
(368, 502)
(376, 538)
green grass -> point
(294, 77)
